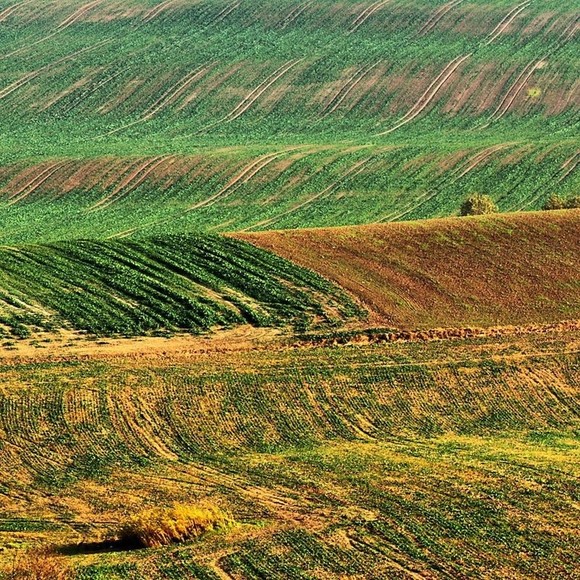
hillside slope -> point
(191, 283)
(125, 118)
(434, 460)
(438, 460)
(500, 269)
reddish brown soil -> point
(504, 269)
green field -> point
(226, 116)
(192, 283)
(380, 401)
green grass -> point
(305, 187)
(192, 283)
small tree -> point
(478, 204)
(573, 202)
(554, 202)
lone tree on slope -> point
(478, 204)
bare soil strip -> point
(514, 91)
(249, 171)
(129, 183)
(67, 345)
(8, 11)
(347, 88)
(256, 93)
(35, 184)
(75, 16)
(429, 94)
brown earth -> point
(503, 269)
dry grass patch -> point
(38, 565)
(163, 526)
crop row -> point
(351, 459)
(128, 84)
(285, 188)
(188, 282)
(120, 416)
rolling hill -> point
(218, 286)
(138, 117)
(435, 460)
(503, 269)
(187, 283)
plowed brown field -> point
(501, 269)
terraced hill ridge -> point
(501, 269)
(124, 118)
(188, 283)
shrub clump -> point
(478, 204)
(39, 565)
(559, 202)
(162, 526)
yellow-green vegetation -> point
(39, 564)
(478, 204)
(451, 458)
(163, 526)
(558, 202)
